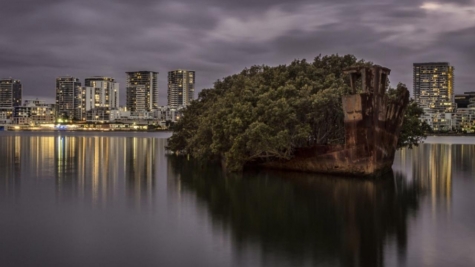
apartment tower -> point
(181, 87)
(10, 93)
(68, 97)
(142, 91)
(99, 92)
(434, 86)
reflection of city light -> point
(94, 168)
(431, 166)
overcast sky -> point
(43, 39)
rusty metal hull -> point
(355, 161)
(372, 126)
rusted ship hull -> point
(355, 161)
(372, 126)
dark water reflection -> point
(303, 218)
(118, 200)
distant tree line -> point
(266, 113)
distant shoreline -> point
(168, 130)
(450, 134)
(84, 131)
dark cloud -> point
(457, 48)
(41, 40)
(460, 2)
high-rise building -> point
(137, 98)
(142, 91)
(68, 97)
(181, 87)
(10, 93)
(434, 86)
(99, 92)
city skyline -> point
(220, 38)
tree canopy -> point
(266, 113)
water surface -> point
(117, 199)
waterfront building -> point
(434, 86)
(99, 92)
(440, 122)
(136, 118)
(168, 113)
(464, 116)
(464, 120)
(142, 91)
(68, 98)
(102, 114)
(10, 93)
(5, 115)
(464, 100)
(181, 87)
(34, 112)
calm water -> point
(90, 199)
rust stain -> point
(372, 126)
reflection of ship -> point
(302, 218)
(372, 125)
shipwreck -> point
(372, 122)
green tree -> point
(413, 129)
(266, 113)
